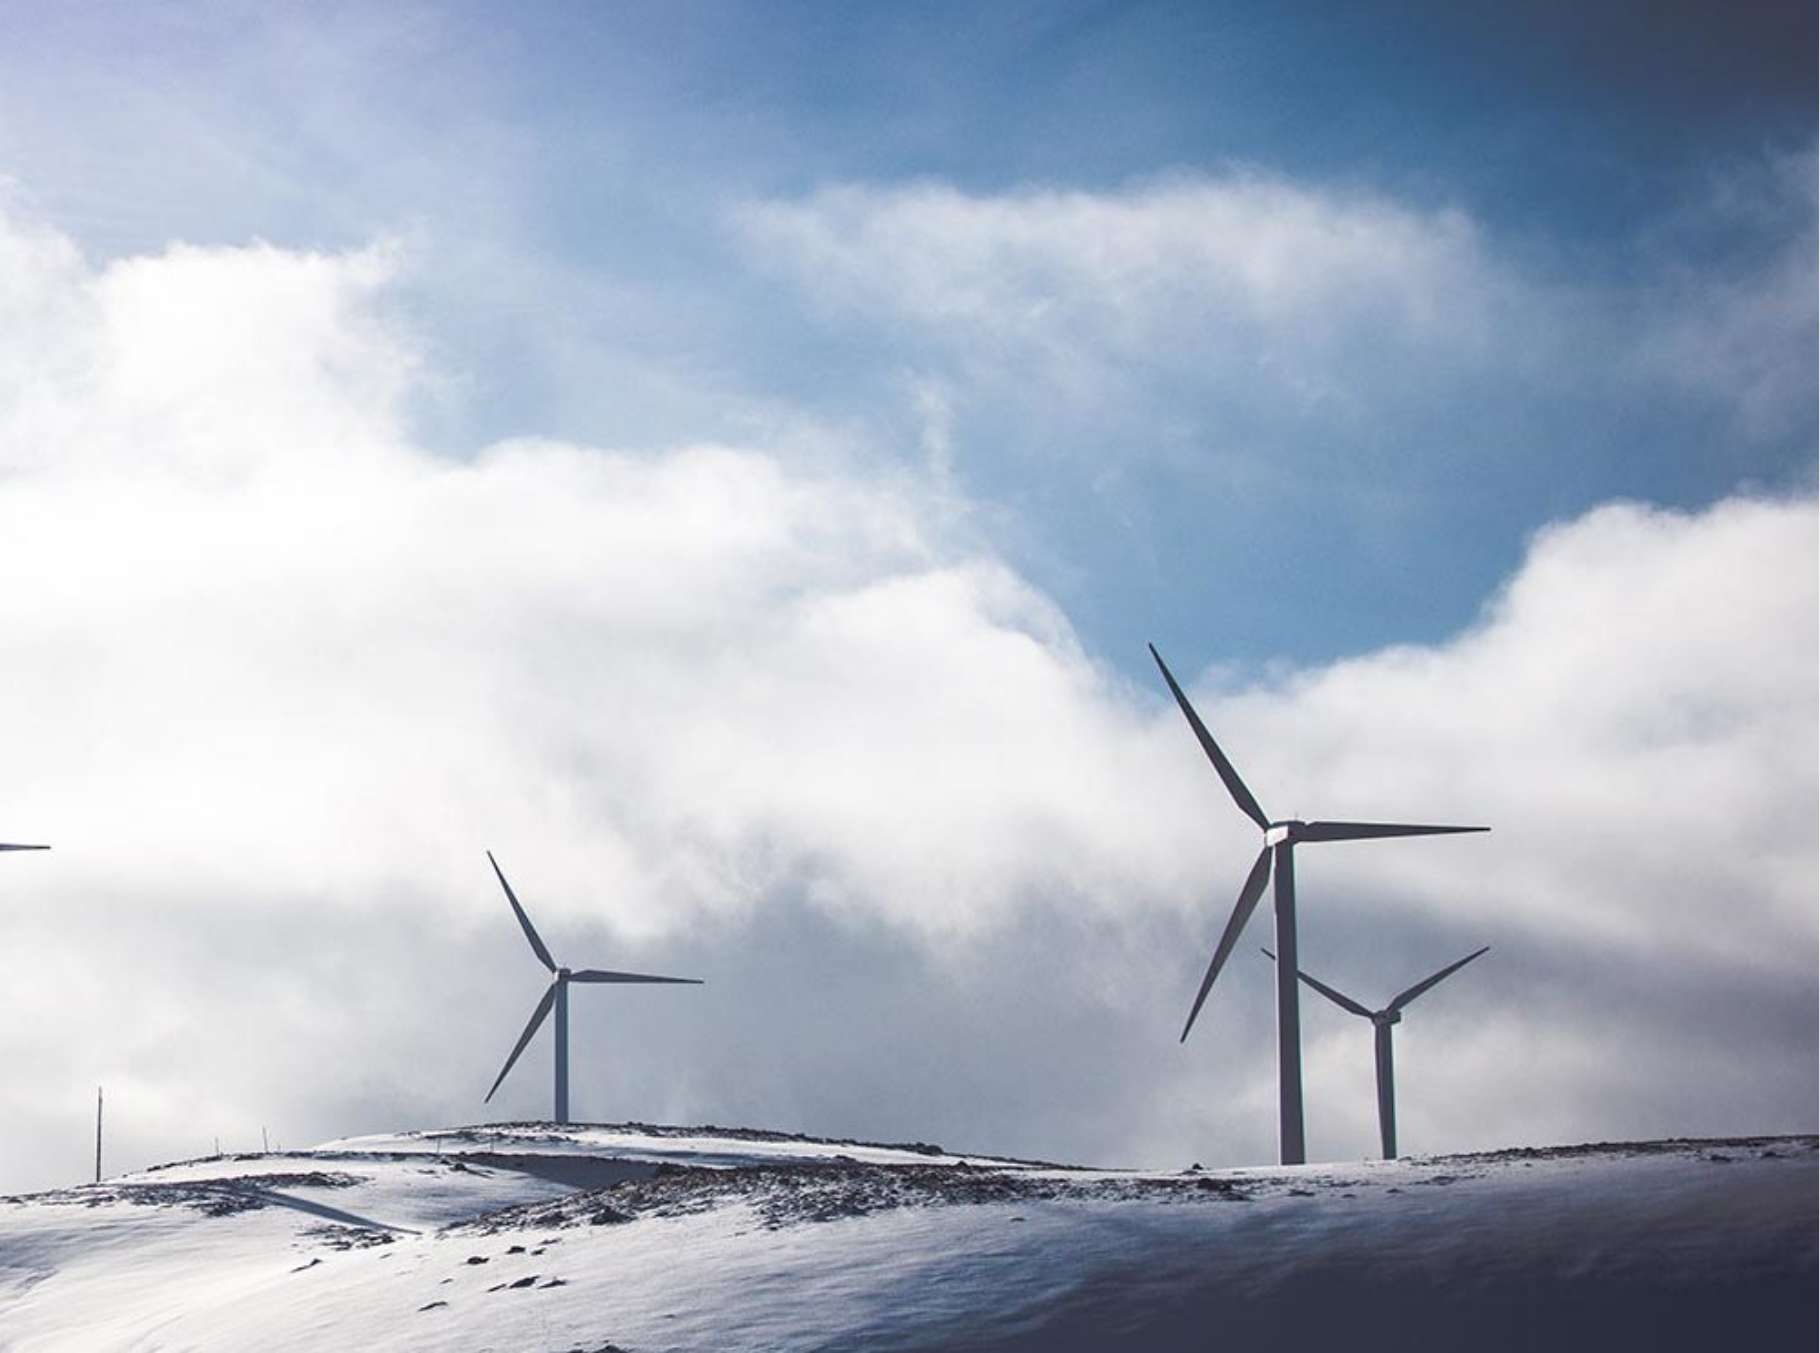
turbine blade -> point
(1234, 785)
(1365, 831)
(543, 954)
(1241, 913)
(537, 1018)
(4, 846)
(1406, 997)
(1345, 1002)
(598, 975)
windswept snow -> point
(535, 1237)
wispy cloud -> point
(1269, 309)
(1740, 336)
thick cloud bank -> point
(276, 675)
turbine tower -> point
(558, 996)
(1383, 1021)
(1280, 840)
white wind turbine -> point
(557, 995)
(1280, 840)
(1384, 1021)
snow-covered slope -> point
(533, 1237)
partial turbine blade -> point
(1343, 1001)
(4, 846)
(537, 1018)
(598, 975)
(1404, 998)
(1234, 785)
(543, 954)
(1241, 913)
(1366, 831)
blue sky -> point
(729, 460)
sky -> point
(729, 462)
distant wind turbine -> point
(1280, 841)
(558, 996)
(1383, 1020)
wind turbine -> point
(558, 995)
(1280, 840)
(1383, 1021)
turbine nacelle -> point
(1289, 831)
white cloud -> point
(1247, 318)
(276, 675)
(198, 362)
(1259, 249)
(706, 671)
(1186, 275)
(1635, 713)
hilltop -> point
(530, 1236)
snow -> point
(534, 1237)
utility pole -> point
(97, 1134)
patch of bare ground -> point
(792, 1194)
(1716, 1149)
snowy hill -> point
(539, 1238)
